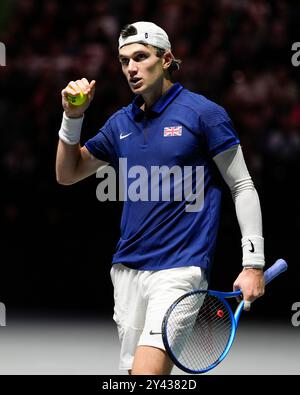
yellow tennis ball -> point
(77, 100)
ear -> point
(167, 59)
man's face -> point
(141, 67)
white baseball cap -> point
(147, 33)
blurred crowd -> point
(235, 52)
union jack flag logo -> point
(172, 131)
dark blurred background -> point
(56, 241)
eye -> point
(139, 57)
(124, 61)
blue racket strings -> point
(197, 330)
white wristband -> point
(253, 251)
(70, 129)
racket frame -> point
(277, 268)
(233, 320)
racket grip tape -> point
(279, 266)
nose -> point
(132, 67)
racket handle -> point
(279, 266)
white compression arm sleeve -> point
(232, 166)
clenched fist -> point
(74, 88)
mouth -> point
(135, 82)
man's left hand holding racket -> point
(251, 282)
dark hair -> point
(130, 30)
(175, 62)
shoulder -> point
(121, 113)
(208, 111)
(113, 120)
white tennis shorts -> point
(141, 300)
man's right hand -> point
(74, 88)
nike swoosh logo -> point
(252, 246)
(122, 136)
(154, 333)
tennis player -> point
(164, 249)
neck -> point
(156, 93)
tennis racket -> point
(198, 329)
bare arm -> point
(73, 162)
